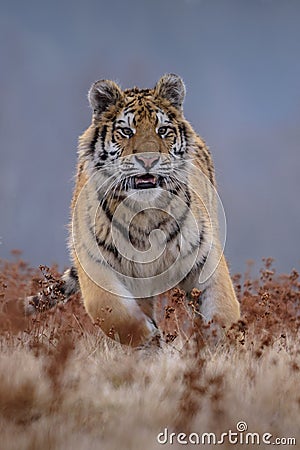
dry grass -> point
(62, 386)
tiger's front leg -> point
(217, 301)
(120, 317)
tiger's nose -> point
(147, 161)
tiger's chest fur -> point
(151, 242)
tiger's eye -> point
(162, 130)
(127, 131)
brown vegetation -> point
(63, 386)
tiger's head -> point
(139, 138)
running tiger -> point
(144, 213)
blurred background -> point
(241, 64)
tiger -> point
(144, 214)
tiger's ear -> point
(171, 87)
(103, 94)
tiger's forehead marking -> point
(126, 119)
(140, 107)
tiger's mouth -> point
(145, 181)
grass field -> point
(63, 386)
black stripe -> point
(174, 233)
(208, 164)
(179, 224)
(129, 105)
(181, 188)
(109, 247)
(73, 273)
(114, 152)
(196, 246)
(102, 243)
(65, 288)
(130, 111)
(103, 154)
(99, 164)
(187, 197)
(103, 136)
(113, 131)
(81, 242)
(182, 138)
(105, 208)
(93, 143)
(198, 265)
(149, 108)
(171, 115)
(138, 242)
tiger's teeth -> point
(145, 180)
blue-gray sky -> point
(241, 64)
